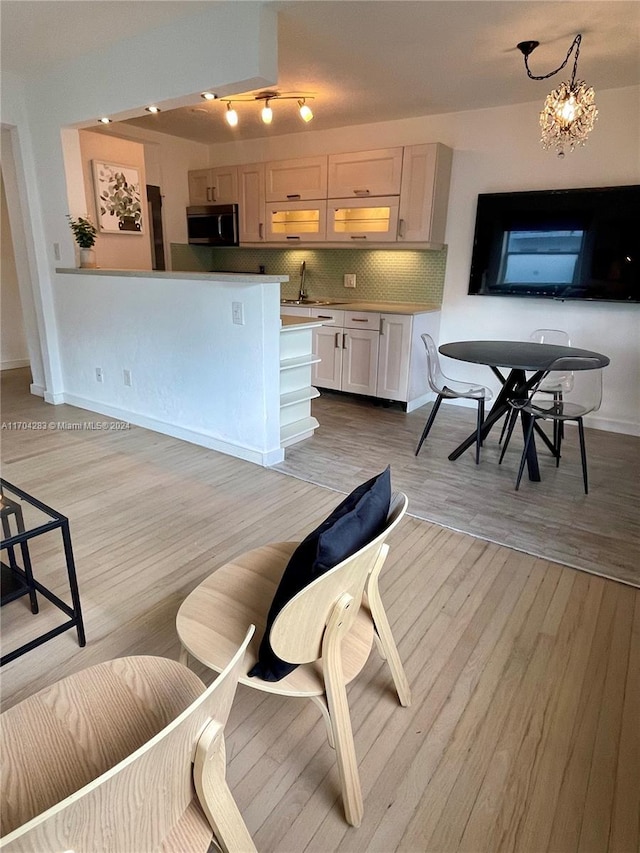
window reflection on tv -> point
(561, 244)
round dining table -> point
(520, 358)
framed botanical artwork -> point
(118, 198)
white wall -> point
(13, 343)
(195, 374)
(498, 150)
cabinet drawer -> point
(362, 320)
(328, 316)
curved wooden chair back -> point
(145, 801)
(298, 631)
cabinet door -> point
(360, 361)
(296, 221)
(367, 220)
(394, 357)
(200, 187)
(365, 173)
(224, 185)
(424, 196)
(327, 346)
(296, 180)
(251, 203)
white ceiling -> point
(365, 60)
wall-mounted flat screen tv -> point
(559, 244)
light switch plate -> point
(237, 313)
(349, 279)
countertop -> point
(240, 278)
(382, 307)
(290, 322)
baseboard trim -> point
(265, 459)
(36, 390)
(14, 363)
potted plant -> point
(84, 232)
(121, 198)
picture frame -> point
(118, 198)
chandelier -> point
(231, 115)
(569, 111)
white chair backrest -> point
(435, 376)
(296, 634)
(551, 336)
(135, 804)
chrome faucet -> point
(303, 270)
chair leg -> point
(214, 794)
(524, 452)
(512, 419)
(339, 711)
(430, 420)
(321, 703)
(583, 454)
(383, 632)
(479, 429)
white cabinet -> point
(213, 186)
(296, 180)
(251, 203)
(296, 221)
(365, 173)
(424, 196)
(364, 220)
(394, 356)
(347, 346)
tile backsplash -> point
(394, 276)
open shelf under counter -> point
(296, 390)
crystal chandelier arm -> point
(528, 47)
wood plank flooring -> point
(523, 733)
(598, 532)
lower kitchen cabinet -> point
(394, 356)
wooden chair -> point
(107, 760)
(328, 628)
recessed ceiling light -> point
(208, 96)
(104, 120)
(152, 109)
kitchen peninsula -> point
(192, 355)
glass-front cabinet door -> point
(363, 220)
(296, 221)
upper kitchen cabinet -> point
(251, 201)
(214, 186)
(296, 180)
(366, 220)
(424, 195)
(365, 173)
(296, 222)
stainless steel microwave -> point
(213, 225)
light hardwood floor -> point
(523, 734)
(598, 532)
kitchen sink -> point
(310, 302)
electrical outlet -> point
(350, 280)
(99, 374)
(56, 251)
(126, 377)
(237, 313)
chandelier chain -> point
(576, 44)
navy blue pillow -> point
(353, 523)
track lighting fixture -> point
(153, 109)
(569, 111)
(267, 112)
(104, 120)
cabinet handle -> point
(358, 236)
(261, 230)
(208, 193)
(361, 192)
(294, 195)
(293, 236)
(337, 346)
(401, 231)
(213, 193)
(358, 319)
(324, 317)
(344, 341)
(382, 325)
